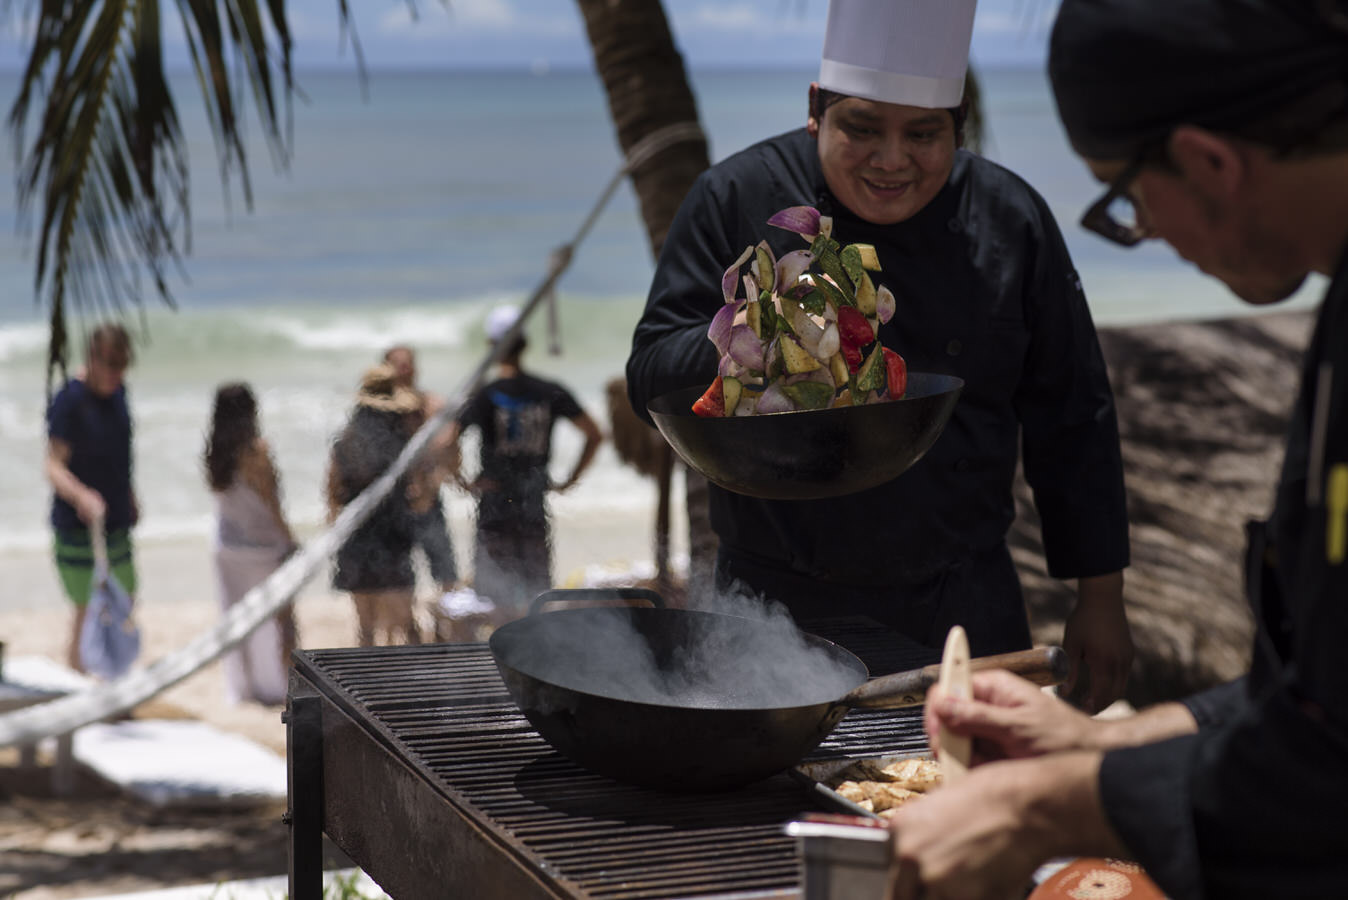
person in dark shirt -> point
(514, 415)
(89, 466)
(1220, 126)
(985, 291)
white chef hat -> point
(499, 321)
(911, 52)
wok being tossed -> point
(807, 344)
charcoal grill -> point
(417, 765)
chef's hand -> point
(1010, 718)
(1098, 644)
(984, 836)
(966, 841)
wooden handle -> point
(1042, 665)
(955, 750)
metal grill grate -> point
(443, 710)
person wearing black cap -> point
(1220, 126)
(985, 291)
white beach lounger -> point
(182, 763)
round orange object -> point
(1092, 878)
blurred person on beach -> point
(252, 539)
(515, 414)
(89, 466)
(986, 291)
(375, 563)
(431, 530)
(1220, 126)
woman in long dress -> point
(252, 540)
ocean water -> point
(408, 212)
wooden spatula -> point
(954, 681)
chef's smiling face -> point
(883, 161)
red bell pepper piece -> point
(853, 328)
(712, 403)
(897, 371)
(853, 356)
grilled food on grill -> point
(875, 796)
(882, 789)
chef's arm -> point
(1155, 723)
(1098, 644)
(87, 502)
(1009, 717)
(670, 348)
(676, 358)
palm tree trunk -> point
(648, 90)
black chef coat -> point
(986, 291)
(1253, 805)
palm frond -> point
(107, 162)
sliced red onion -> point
(826, 226)
(829, 343)
(750, 287)
(774, 400)
(803, 220)
(732, 275)
(790, 267)
(884, 303)
(728, 368)
(745, 347)
(719, 330)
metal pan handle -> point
(1042, 665)
(596, 596)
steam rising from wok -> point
(747, 655)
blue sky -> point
(535, 33)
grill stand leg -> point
(304, 776)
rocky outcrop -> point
(1203, 407)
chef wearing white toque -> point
(985, 291)
(911, 53)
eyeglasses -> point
(1114, 216)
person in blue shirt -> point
(89, 466)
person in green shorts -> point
(89, 467)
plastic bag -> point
(109, 638)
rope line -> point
(65, 714)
